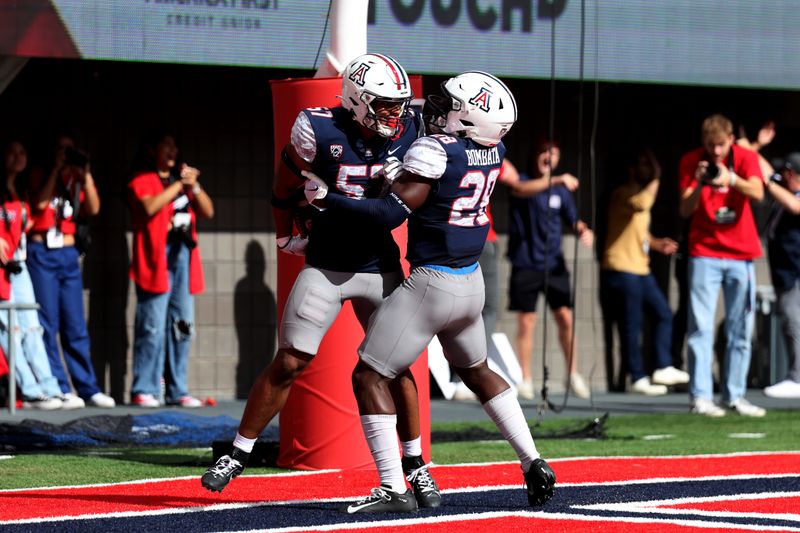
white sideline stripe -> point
(332, 470)
(657, 506)
(6, 457)
(398, 522)
(164, 479)
(521, 514)
(484, 488)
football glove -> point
(295, 245)
(314, 188)
(540, 482)
(391, 170)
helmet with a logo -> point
(473, 104)
(373, 84)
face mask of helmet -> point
(481, 107)
(375, 88)
(434, 113)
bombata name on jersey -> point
(488, 156)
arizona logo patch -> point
(336, 151)
(357, 75)
(481, 99)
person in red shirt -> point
(165, 199)
(39, 388)
(717, 182)
(57, 196)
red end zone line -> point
(184, 493)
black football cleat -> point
(383, 500)
(540, 481)
(223, 472)
(425, 490)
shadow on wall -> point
(105, 271)
(255, 317)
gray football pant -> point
(428, 303)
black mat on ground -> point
(164, 429)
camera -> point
(13, 267)
(182, 222)
(712, 171)
(183, 235)
(75, 157)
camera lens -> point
(712, 171)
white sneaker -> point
(745, 408)
(578, 386)
(702, 406)
(670, 376)
(643, 386)
(41, 402)
(70, 401)
(189, 402)
(145, 400)
(525, 390)
(99, 399)
(785, 389)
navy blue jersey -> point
(450, 228)
(341, 241)
(534, 228)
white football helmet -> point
(372, 81)
(475, 105)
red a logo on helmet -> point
(481, 99)
(357, 76)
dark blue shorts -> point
(526, 284)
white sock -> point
(243, 443)
(380, 431)
(412, 448)
(505, 412)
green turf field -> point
(667, 434)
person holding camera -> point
(165, 199)
(783, 233)
(717, 182)
(37, 384)
(57, 199)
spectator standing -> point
(537, 208)
(783, 232)
(165, 199)
(717, 182)
(632, 287)
(55, 270)
(37, 384)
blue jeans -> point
(34, 376)
(57, 281)
(632, 295)
(736, 277)
(163, 331)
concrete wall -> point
(224, 121)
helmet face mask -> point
(475, 105)
(376, 89)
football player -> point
(352, 148)
(443, 188)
